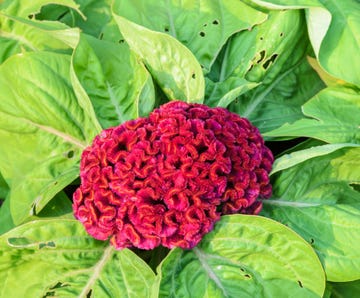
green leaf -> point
(334, 28)
(335, 117)
(18, 35)
(272, 54)
(251, 255)
(98, 23)
(28, 8)
(344, 289)
(118, 84)
(171, 64)
(57, 258)
(319, 198)
(202, 26)
(43, 127)
(222, 94)
(6, 221)
(291, 159)
(4, 188)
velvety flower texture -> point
(166, 179)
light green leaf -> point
(18, 35)
(117, 83)
(203, 26)
(344, 289)
(251, 255)
(334, 28)
(341, 41)
(335, 112)
(57, 258)
(171, 64)
(291, 159)
(319, 198)
(43, 127)
(26, 9)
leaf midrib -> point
(108, 252)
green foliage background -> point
(69, 69)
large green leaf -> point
(43, 128)
(117, 83)
(57, 258)
(203, 26)
(172, 65)
(334, 28)
(245, 256)
(335, 117)
(319, 198)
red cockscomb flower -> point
(166, 179)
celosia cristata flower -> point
(166, 179)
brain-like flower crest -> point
(166, 179)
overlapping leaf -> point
(319, 198)
(118, 84)
(273, 54)
(251, 255)
(335, 117)
(203, 26)
(43, 127)
(334, 28)
(171, 64)
(20, 32)
(56, 257)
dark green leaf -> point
(344, 289)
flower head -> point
(166, 179)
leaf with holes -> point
(57, 258)
(334, 28)
(319, 198)
(333, 116)
(43, 127)
(275, 54)
(251, 255)
(202, 26)
(118, 84)
(171, 64)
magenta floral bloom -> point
(166, 179)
